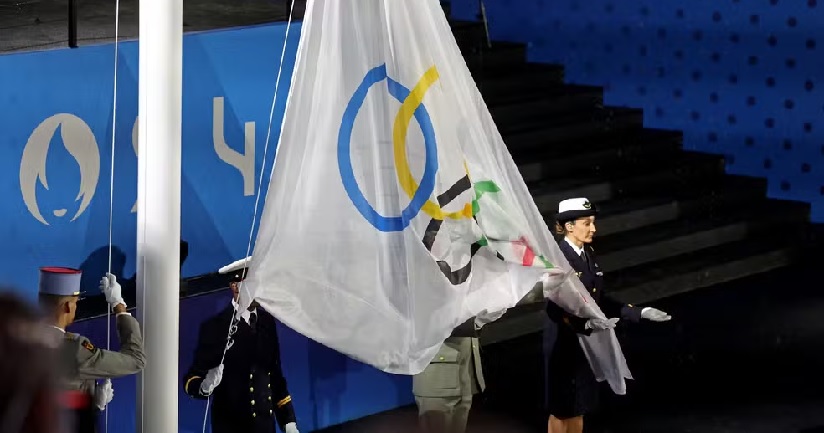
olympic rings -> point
(411, 105)
(399, 131)
(427, 186)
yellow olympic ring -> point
(399, 131)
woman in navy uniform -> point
(573, 389)
(254, 393)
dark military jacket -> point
(252, 394)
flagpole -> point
(158, 210)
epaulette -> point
(84, 342)
(88, 345)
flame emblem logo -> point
(79, 142)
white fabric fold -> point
(395, 211)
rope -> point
(111, 184)
(233, 322)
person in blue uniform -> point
(252, 395)
(573, 389)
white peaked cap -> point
(573, 208)
(574, 204)
(236, 265)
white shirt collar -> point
(578, 250)
(59, 328)
(246, 314)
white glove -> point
(290, 428)
(485, 318)
(103, 394)
(601, 324)
(655, 315)
(212, 380)
(111, 288)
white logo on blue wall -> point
(243, 162)
(79, 141)
(81, 144)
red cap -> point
(60, 270)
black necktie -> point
(585, 258)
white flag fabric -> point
(395, 211)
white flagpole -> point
(158, 210)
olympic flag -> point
(395, 212)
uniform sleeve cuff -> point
(188, 382)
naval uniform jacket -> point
(573, 390)
(592, 277)
(252, 394)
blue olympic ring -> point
(427, 183)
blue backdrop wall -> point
(741, 78)
(55, 151)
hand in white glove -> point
(485, 318)
(601, 324)
(212, 380)
(655, 315)
(103, 394)
(111, 288)
(290, 428)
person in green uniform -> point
(445, 388)
(82, 363)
